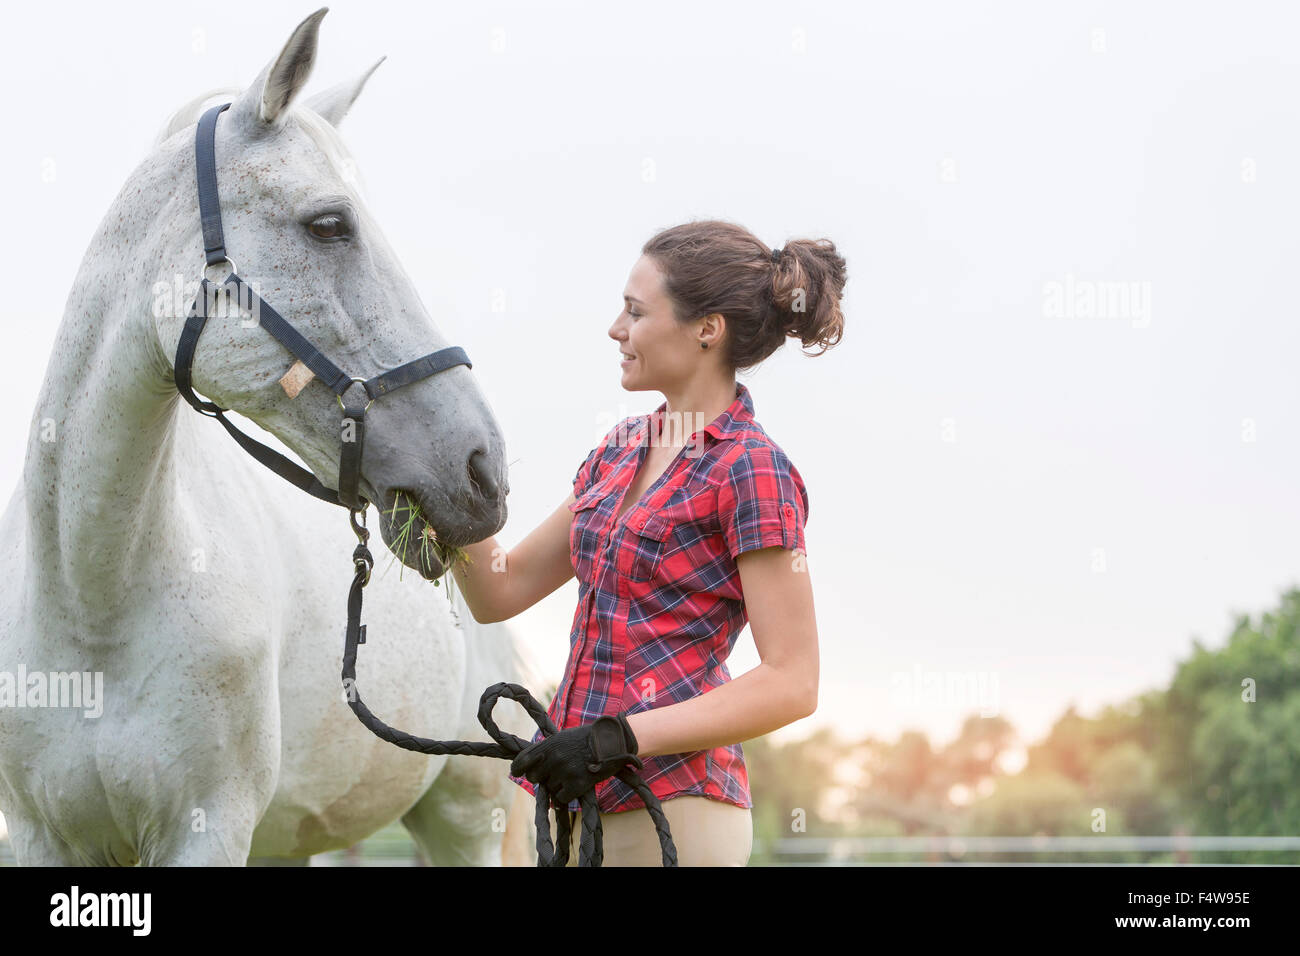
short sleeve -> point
(763, 502)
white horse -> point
(144, 545)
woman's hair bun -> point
(807, 284)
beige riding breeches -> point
(706, 832)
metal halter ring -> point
(364, 564)
(354, 381)
(234, 269)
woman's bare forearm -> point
(500, 584)
(755, 703)
(482, 587)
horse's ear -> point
(333, 104)
(267, 99)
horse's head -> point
(298, 232)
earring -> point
(704, 345)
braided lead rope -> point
(591, 843)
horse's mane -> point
(189, 114)
(322, 133)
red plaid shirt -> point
(659, 601)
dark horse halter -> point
(507, 745)
(214, 246)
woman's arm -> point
(500, 584)
(779, 691)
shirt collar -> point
(734, 419)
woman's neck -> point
(691, 409)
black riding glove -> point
(571, 762)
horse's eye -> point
(329, 227)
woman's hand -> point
(571, 762)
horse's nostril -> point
(481, 478)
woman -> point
(682, 525)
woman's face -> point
(663, 352)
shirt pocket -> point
(647, 537)
(585, 531)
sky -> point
(1058, 440)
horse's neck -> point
(103, 448)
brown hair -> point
(715, 266)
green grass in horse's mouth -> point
(430, 546)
